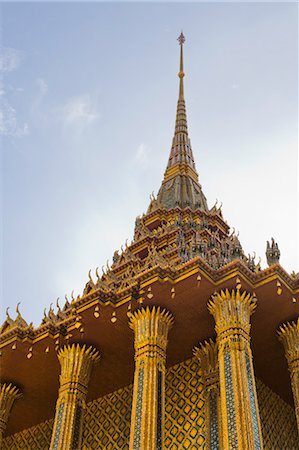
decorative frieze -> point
(76, 364)
(239, 406)
(151, 326)
(288, 334)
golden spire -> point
(180, 187)
(181, 73)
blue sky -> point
(89, 94)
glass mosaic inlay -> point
(159, 412)
(214, 437)
(253, 406)
(77, 426)
(137, 432)
(58, 426)
(230, 403)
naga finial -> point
(57, 303)
(72, 296)
(97, 273)
(89, 276)
(17, 308)
(7, 313)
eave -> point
(39, 375)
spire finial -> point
(186, 190)
(181, 73)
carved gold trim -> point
(8, 394)
(76, 364)
(207, 354)
(150, 326)
(241, 427)
(288, 334)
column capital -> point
(288, 334)
(239, 407)
(151, 326)
(76, 364)
(232, 311)
(8, 394)
(207, 354)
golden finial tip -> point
(181, 38)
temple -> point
(183, 342)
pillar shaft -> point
(76, 364)
(8, 394)
(288, 334)
(151, 328)
(208, 357)
(239, 407)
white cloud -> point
(2, 90)
(10, 59)
(43, 86)
(141, 156)
(79, 112)
(8, 121)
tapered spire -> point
(180, 186)
(181, 74)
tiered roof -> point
(180, 250)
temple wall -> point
(107, 419)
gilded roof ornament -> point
(181, 38)
(180, 187)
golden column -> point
(239, 407)
(151, 326)
(288, 334)
(76, 363)
(8, 394)
(207, 355)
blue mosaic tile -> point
(77, 426)
(159, 412)
(253, 405)
(230, 403)
(214, 432)
(58, 426)
(137, 432)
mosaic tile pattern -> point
(107, 419)
(253, 406)
(184, 407)
(214, 436)
(137, 431)
(34, 438)
(58, 427)
(230, 403)
(278, 421)
(77, 427)
(159, 412)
